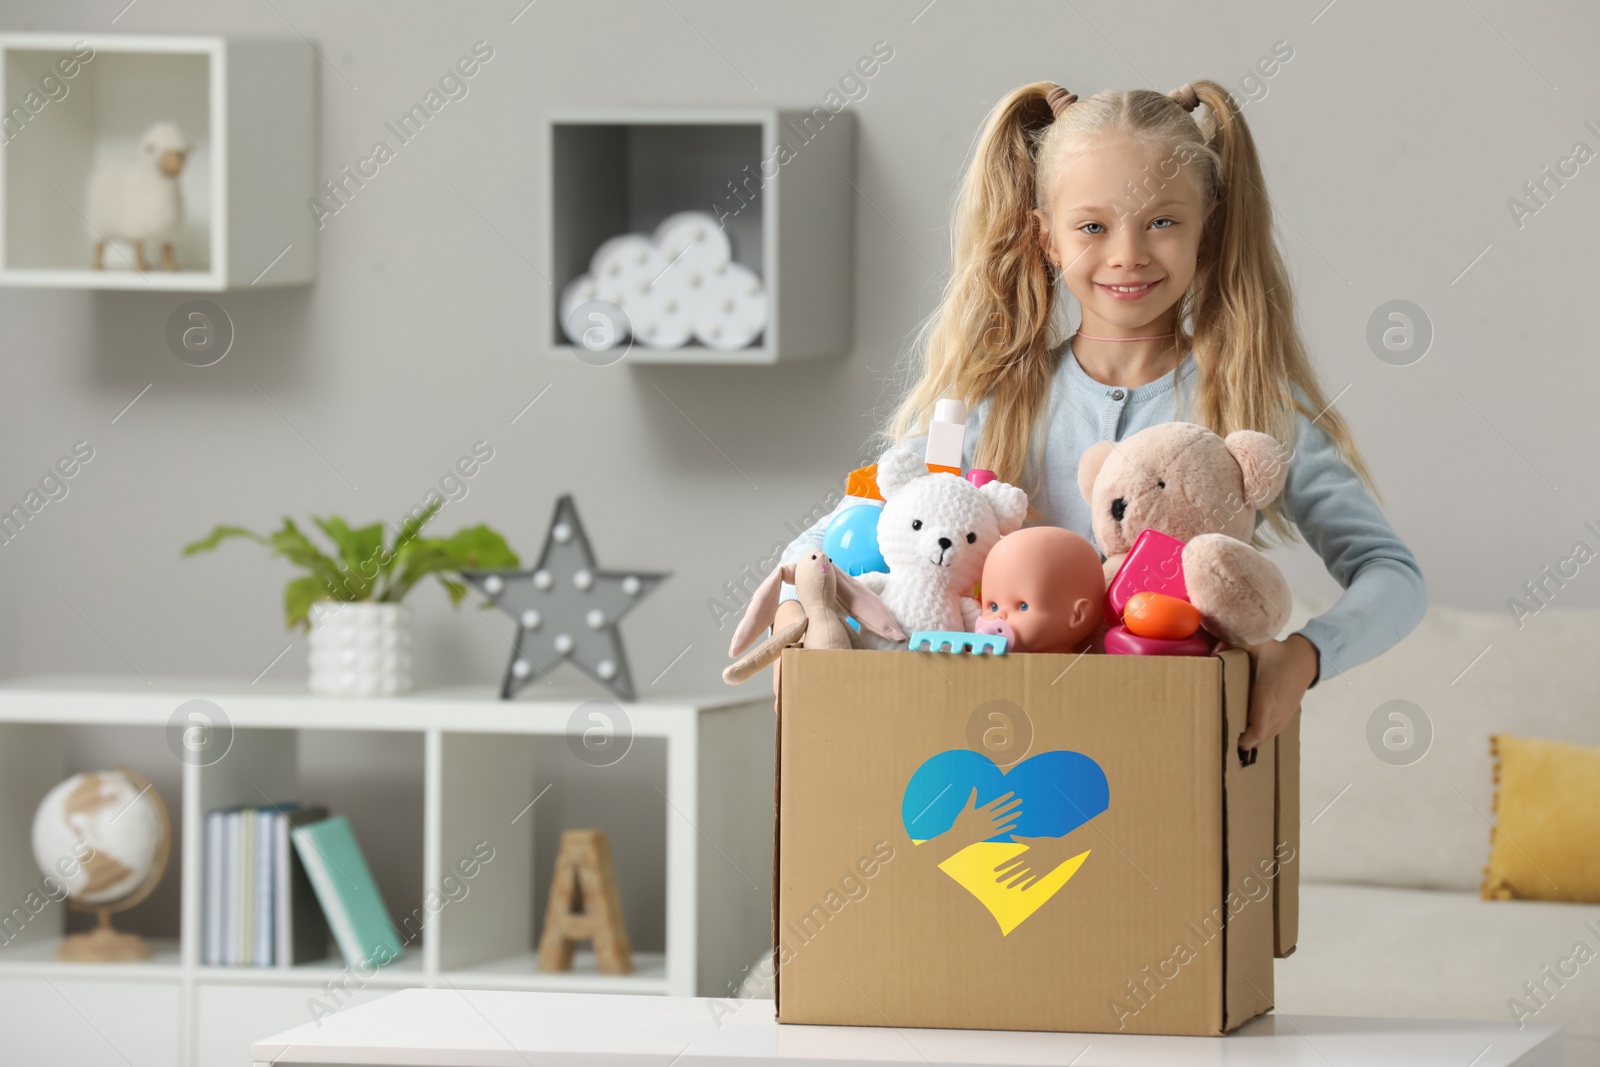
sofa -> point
(1392, 852)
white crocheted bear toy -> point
(935, 532)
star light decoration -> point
(566, 608)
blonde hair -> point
(998, 331)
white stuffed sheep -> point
(136, 197)
(935, 531)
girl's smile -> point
(1128, 290)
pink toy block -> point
(1154, 563)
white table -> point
(488, 1028)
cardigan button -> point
(1117, 394)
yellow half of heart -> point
(973, 869)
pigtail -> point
(1244, 332)
(996, 335)
(993, 334)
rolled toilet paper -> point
(578, 290)
(693, 239)
(660, 317)
(626, 254)
(729, 309)
(578, 309)
(624, 266)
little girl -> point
(1160, 227)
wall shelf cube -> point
(778, 180)
(248, 107)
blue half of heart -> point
(1060, 791)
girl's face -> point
(1124, 216)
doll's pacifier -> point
(997, 627)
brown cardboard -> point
(1250, 817)
(1286, 890)
(1165, 928)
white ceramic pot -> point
(360, 649)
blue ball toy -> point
(851, 540)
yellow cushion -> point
(1546, 841)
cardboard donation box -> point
(1144, 884)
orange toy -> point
(1165, 618)
(1043, 590)
(863, 482)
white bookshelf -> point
(612, 171)
(247, 105)
(481, 760)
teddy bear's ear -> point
(1094, 457)
(1009, 504)
(1264, 463)
(898, 467)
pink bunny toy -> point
(827, 594)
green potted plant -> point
(350, 601)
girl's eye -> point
(916, 524)
(971, 537)
(993, 606)
(1022, 606)
(1101, 229)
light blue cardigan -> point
(1384, 592)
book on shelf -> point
(265, 882)
(212, 893)
(232, 843)
(244, 877)
(350, 900)
(300, 930)
(259, 907)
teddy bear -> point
(934, 532)
(1183, 480)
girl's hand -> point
(1284, 670)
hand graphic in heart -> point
(1059, 790)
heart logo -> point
(1059, 790)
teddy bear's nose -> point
(1119, 507)
(944, 542)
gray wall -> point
(1392, 142)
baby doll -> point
(1043, 590)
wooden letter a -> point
(583, 869)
